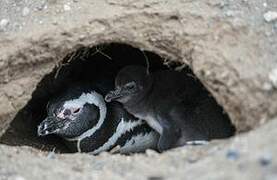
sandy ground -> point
(247, 156)
(230, 45)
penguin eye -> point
(131, 85)
(75, 111)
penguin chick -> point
(87, 124)
(172, 103)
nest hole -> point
(85, 64)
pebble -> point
(267, 86)
(55, 22)
(66, 7)
(230, 13)
(19, 178)
(151, 153)
(232, 154)
(273, 77)
(4, 23)
(42, 6)
(25, 11)
(222, 4)
(270, 16)
(155, 178)
(268, 34)
(265, 160)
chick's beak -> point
(48, 126)
(113, 95)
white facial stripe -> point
(91, 98)
(122, 128)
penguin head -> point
(131, 82)
(72, 114)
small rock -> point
(151, 153)
(14, 90)
(39, 8)
(265, 160)
(267, 86)
(4, 23)
(267, 33)
(19, 178)
(155, 178)
(270, 16)
(66, 7)
(55, 22)
(192, 160)
(77, 169)
(275, 26)
(230, 13)
(25, 11)
(232, 154)
(42, 7)
(273, 77)
(222, 4)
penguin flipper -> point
(191, 128)
(170, 134)
(167, 140)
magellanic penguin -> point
(88, 124)
(173, 103)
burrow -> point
(85, 64)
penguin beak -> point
(50, 125)
(123, 91)
(113, 95)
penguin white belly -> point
(140, 143)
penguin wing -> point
(187, 121)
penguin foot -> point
(167, 140)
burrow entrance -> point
(84, 65)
